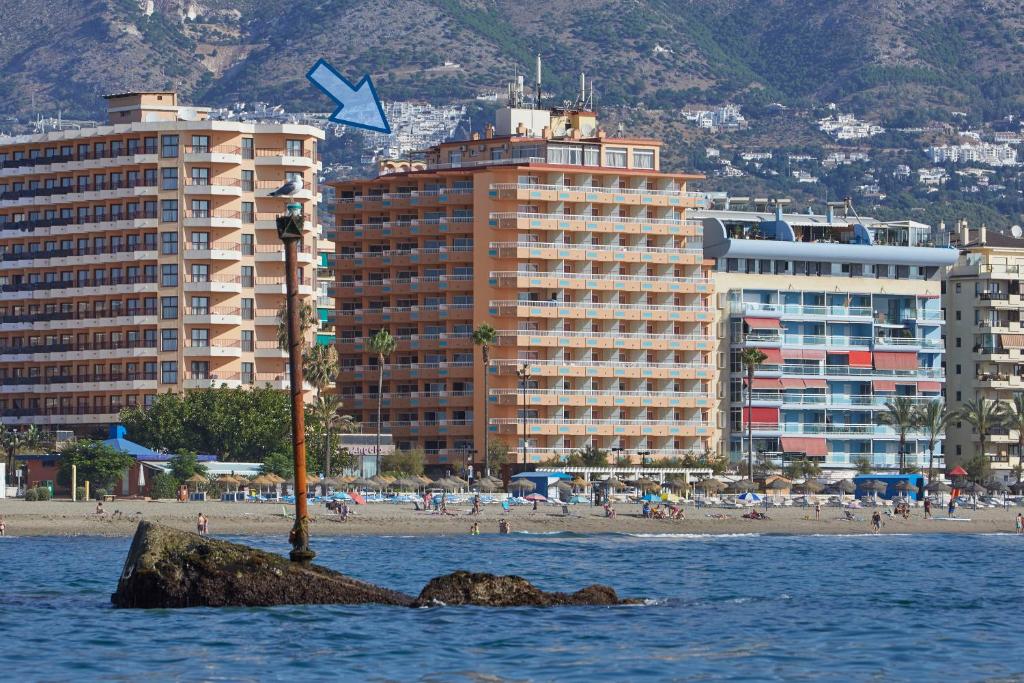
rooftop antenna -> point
(582, 100)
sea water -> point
(758, 608)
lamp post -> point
(643, 457)
(289, 230)
(523, 372)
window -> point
(958, 288)
(958, 342)
(247, 148)
(615, 157)
(200, 240)
(200, 337)
(248, 212)
(293, 148)
(168, 179)
(248, 373)
(200, 176)
(168, 243)
(248, 181)
(200, 208)
(169, 210)
(248, 309)
(958, 315)
(169, 146)
(168, 372)
(958, 369)
(247, 340)
(169, 307)
(200, 272)
(169, 340)
(248, 244)
(199, 369)
(169, 275)
(200, 305)
(643, 158)
(248, 276)
(201, 144)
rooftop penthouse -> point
(767, 232)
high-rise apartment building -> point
(142, 256)
(847, 311)
(985, 341)
(576, 247)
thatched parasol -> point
(811, 486)
(846, 486)
(938, 487)
(780, 485)
(875, 485)
(485, 485)
(996, 486)
(645, 484)
(741, 486)
(522, 485)
(711, 485)
(580, 482)
(262, 480)
(197, 479)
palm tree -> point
(307, 321)
(327, 412)
(984, 415)
(933, 418)
(320, 366)
(901, 415)
(382, 345)
(751, 359)
(484, 336)
(1013, 418)
(13, 442)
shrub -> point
(31, 495)
(42, 493)
(80, 493)
(164, 486)
(99, 493)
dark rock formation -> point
(170, 568)
(488, 590)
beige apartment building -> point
(141, 256)
(985, 339)
(577, 248)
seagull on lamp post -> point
(289, 189)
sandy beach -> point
(64, 518)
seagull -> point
(289, 189)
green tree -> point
(804, 468)
(307, 321)
(863, 464)
(404, 463)
(984, 415)
(381, 345)
(933, 418)
(97, 463)
(14, 441)
(1013, 418)
(484, 336)
(588, 456)
(163, 486)
(325, 421)
(280, 463)
(751, 360)
(184, 465)
(320, 366)
(498, 453)
(901, 415)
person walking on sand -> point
(3, 525)
(952, 507)
(927, 508)
(1019, 522)
(817, 511)
(876, 522)
(201, 524)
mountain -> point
(889, 58)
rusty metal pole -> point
(289, 229)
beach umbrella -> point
(1018, 487)
(536, 497)
(486, 486)
(564, 486)
(522, 485)
(276, 478)
(459, 480)
(652, 498)
(742, 485)
(677, 484)
(261, 480)
(846, 486)
(579, 482)
(362, 483)
(712, 485)
(996, 486)
(779, 485)
(142, 476)
(938, 487)
(646, 484)
(875, 485)
(975, 489)
(811, 486)
(749, 497)
(197, 479)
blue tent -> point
(119, 443)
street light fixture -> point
(643, 457)
(469, 463)
(523, 372)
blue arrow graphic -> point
(358, 105)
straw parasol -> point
(811, 486)
(711, 485)
(646, 484)
(742, 485)
(846, 486)
(938, 487)
(486, 486)
(197, 479)
(361, 483)
(875, 485)
(779, 485)
(996, 486)
(614, 482)
(522, 485)
(227, 480)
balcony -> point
(275, 284)
(79, 383)
(67, 289)
(770, 310)
(217, 315)
(602, 398)
(74, 257)
(582, 223)
(211, 380)
(57, 226)
(263, 188)
(80, 192)
(219, 186)
(826, 370)
(599, 281)
(598, 310)
(596, 368)
(77, 351)
(596, 252)
(273, 156)
(98, 414)
(600, 427)
(213, 251)
(581, 193)
(270, 349)
(440, 252)
(605, 340)
(216, 154)
(274, 253)
(829, 430)
(213, 218)
(213, 348)
(70, 320)
(231, 284)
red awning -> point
(929, 386)
(895, 360)
(958, 472)
(792, 383)
(767, 383)
(814, 354)
(763, 323)
(773, 356)
(803, 444)
(762, 415)
(883, 385)
(815, 384)
(860, 359)
(793, 354)
(1012, 341)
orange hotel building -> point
(576, 248)
(141, 256)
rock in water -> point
(488, 590)
(170, 568)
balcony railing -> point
(598, 189)
(58, 380)
(604, 364)
(72, 315)
(633, 220)
(72, 284)
(81, 220)
(613, 277)
(66, 347)
(613, 306)
(667, 422)
(866, 400)
(695, 251)
(72, 252)
(845, 370)
(606, 333)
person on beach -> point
(503, 526)
(817, 511)
(535, 505)
(202, 524)
(475, 529)
(476, 504)
(99, 507)
(3, 525)
(927, 508)
(1019, 522)
(952, 507)
(876, 522)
